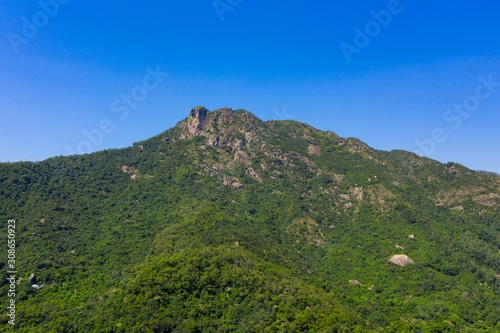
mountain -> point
(490, 173)
(228, 223)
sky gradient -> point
(81, 76)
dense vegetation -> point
(227, 223)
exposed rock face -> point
(237, 185)
(252, 174)
(456, 196)
(491, 199)
(233, 181)
(400, 260)
(213, 140)
(450, 169)
(196, 119)
(201, 120)
(355, 282)
(133, 172)
(356, 145)
(222, 128)
(241, 157)
(130, 171)
(314, 150)
(357, 193)
(250, 137)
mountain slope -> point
(228, 223)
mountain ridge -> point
(225, 222)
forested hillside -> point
(227, 223)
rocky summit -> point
(226, 223)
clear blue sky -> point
(277, 59)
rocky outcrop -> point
(313, 150)
(202, 122)
(456, 196)
(355, 282)
(400, 260)
(196, 120)
(222, 128)
(253, 174)
(242, 158)
(357, 193)
(130, 171)
(133, 172)
(355, 145)
(491, 199)
(450, 168)
(250, 137)
(233, 181)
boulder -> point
(355, 282)
(313, 150)
(400, 260)
(237, 185)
